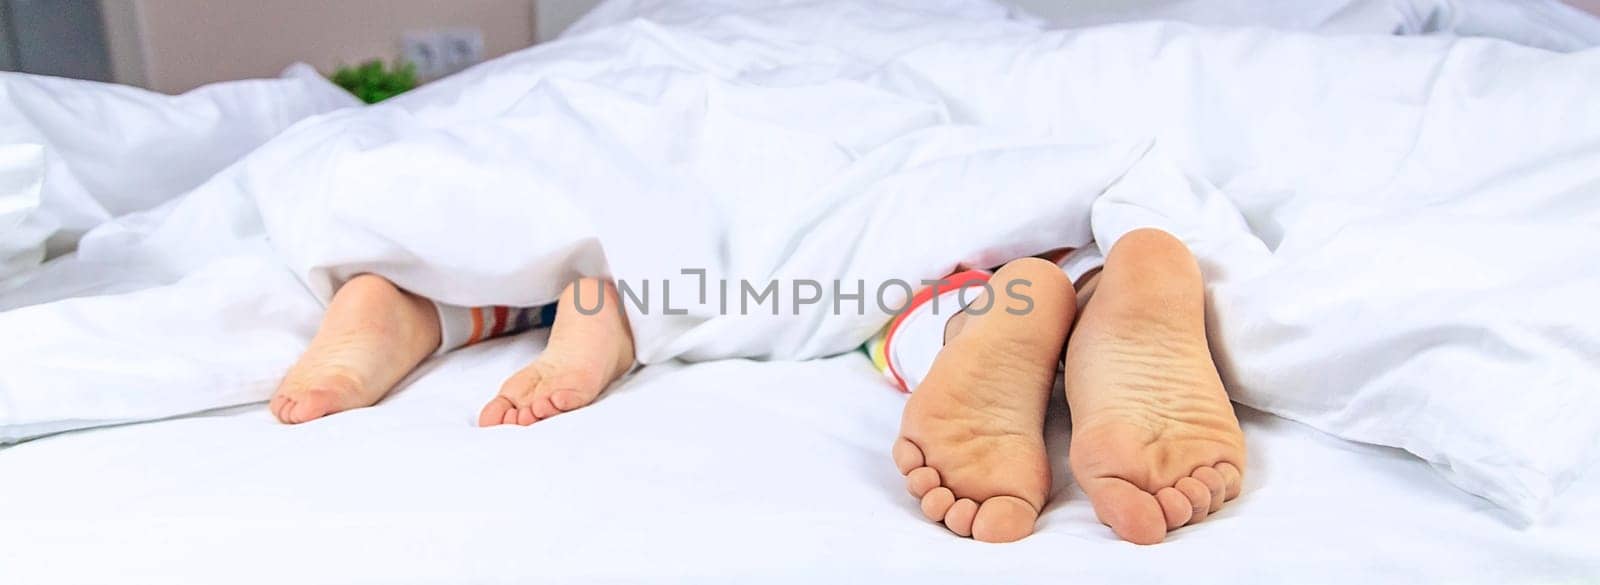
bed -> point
(134, 449)
(731, 472)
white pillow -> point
(21, 179)
(109, 150)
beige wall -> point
(556, 15)
(176, 45)
(1593, 6)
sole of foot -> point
(971, 442)
(590, 347)
(372, 336)
(1155, 442)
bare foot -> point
(972, 436)
(1155, 443)
(585, 355)
(372, 336)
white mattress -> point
(729, 471)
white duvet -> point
(1545, 24)
(1394, 231)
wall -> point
(556, 15)
(56, 37)
(1593, 6)
(8, 59)
(175, 45)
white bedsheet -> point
(734, 472)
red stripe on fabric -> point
(956, 281)
(477, 326)
(501, 320)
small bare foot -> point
(585, 355)
(971, 439)
(372, 336)
(1155, 443)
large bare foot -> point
(372, 336)
(585, 355)
(971, 439)
(1155, 443)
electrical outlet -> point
(440, 52)
(422, 50)
(462, 48)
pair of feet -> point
(375, 334)
(1155, 443)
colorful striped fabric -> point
(880, 349)
(491, 322)
(874, 349)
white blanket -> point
(1389, 227)
(1546, 24)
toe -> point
(1131, 512)
(906, 455)
(310, 406)
(565, 400)
(525, 416)
(1175, 506)
(937, 502)
(543, 408)
(1003, 519)
(510, 417)
(300, 412)
(495, 412)
(279, 407)
(921, 480)
(1232, 477)
(1199, 497)
(1215, 484)
(960, 516)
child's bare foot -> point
(586, 354)
(1155, 443)
(972, 436)
(372, 336)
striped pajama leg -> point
(463, 326)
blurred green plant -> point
(373, 82)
